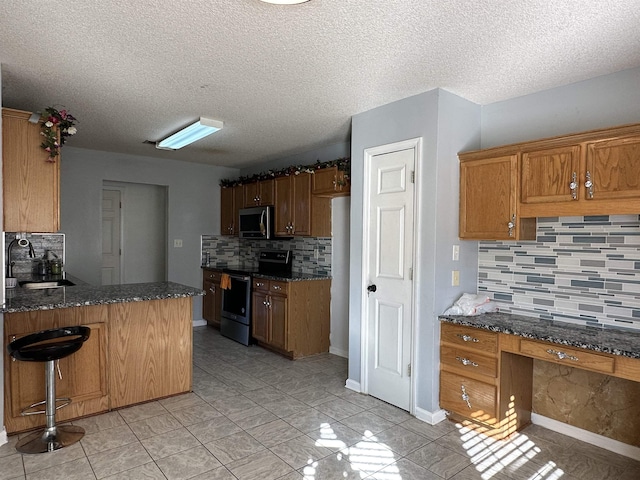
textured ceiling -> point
(287, 79)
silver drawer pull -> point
(465, 396)
(562, 355)
(259, 284)
(466, 362)
(467, 338)
(277, 287)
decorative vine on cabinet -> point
(590, 173)
(31, 184)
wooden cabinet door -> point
(279, 322)
(301, 198)
(260, 317)
(267, 192)
(251, 194)
(283, 206)
(614, 167)
(549, 175)
(149, 359)
(488, 198)
(325, 181)
(212, 301)
(227, 224)
(31, 184)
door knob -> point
(371, 288)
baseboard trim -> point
(430, 417)
(353, 385)
(586, 436)
(339, 352)
(3, 437)
(199, 323)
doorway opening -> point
(134, 233)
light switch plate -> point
(177, 243)
(455, 278)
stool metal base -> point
(50, 439)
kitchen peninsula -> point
(140, 347)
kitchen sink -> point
(49, 284)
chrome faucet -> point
(22, 242)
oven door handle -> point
(244, 278)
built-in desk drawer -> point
(470, 338)
(573, 357)
(467, 397)
(466, 360)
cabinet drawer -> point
(470, 338)
(567, 356)
(211, 275)
(481, 396)
(469, 360)
(260, 285)
(278, 287)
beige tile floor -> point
(256, 415)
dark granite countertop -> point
(23, 300)
(252, 269)
(607, 340)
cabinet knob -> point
(589, 185)
(277, 287)
(512, 224)
(466, 362)
(259, 284)
(562, 355)
(467, 338)
(465, 396)
(574, 186)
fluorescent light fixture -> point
(285, 2)
(190, 134)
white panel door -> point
(390, 287)
(111, 231)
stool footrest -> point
(24, 412)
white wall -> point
(447, 124)
(193, 208)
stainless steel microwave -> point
(256, 222)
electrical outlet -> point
(455, 278)
(177, 243)
(455, 256)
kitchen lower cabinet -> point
(84, 373)
(137, 351)
(478, 383)
(291, 317)
(151, 350)
(212, 300)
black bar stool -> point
(48, 346)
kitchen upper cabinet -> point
(614, 167)
(212, 300)
(259, 193)
(330, 182)
(550, 175)
(231, 201)
(488, 199)
(590, 173)
(31, 184)
(293, 205)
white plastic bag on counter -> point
(470, 304)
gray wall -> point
(601, 102)
(193, 208)
(2, 253)
(447, 124)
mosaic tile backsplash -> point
(580, 269)
(233, 250)
(41, 243)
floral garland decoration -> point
(54, 121)
(343, 164)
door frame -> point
(369, 153)
(106, 185)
